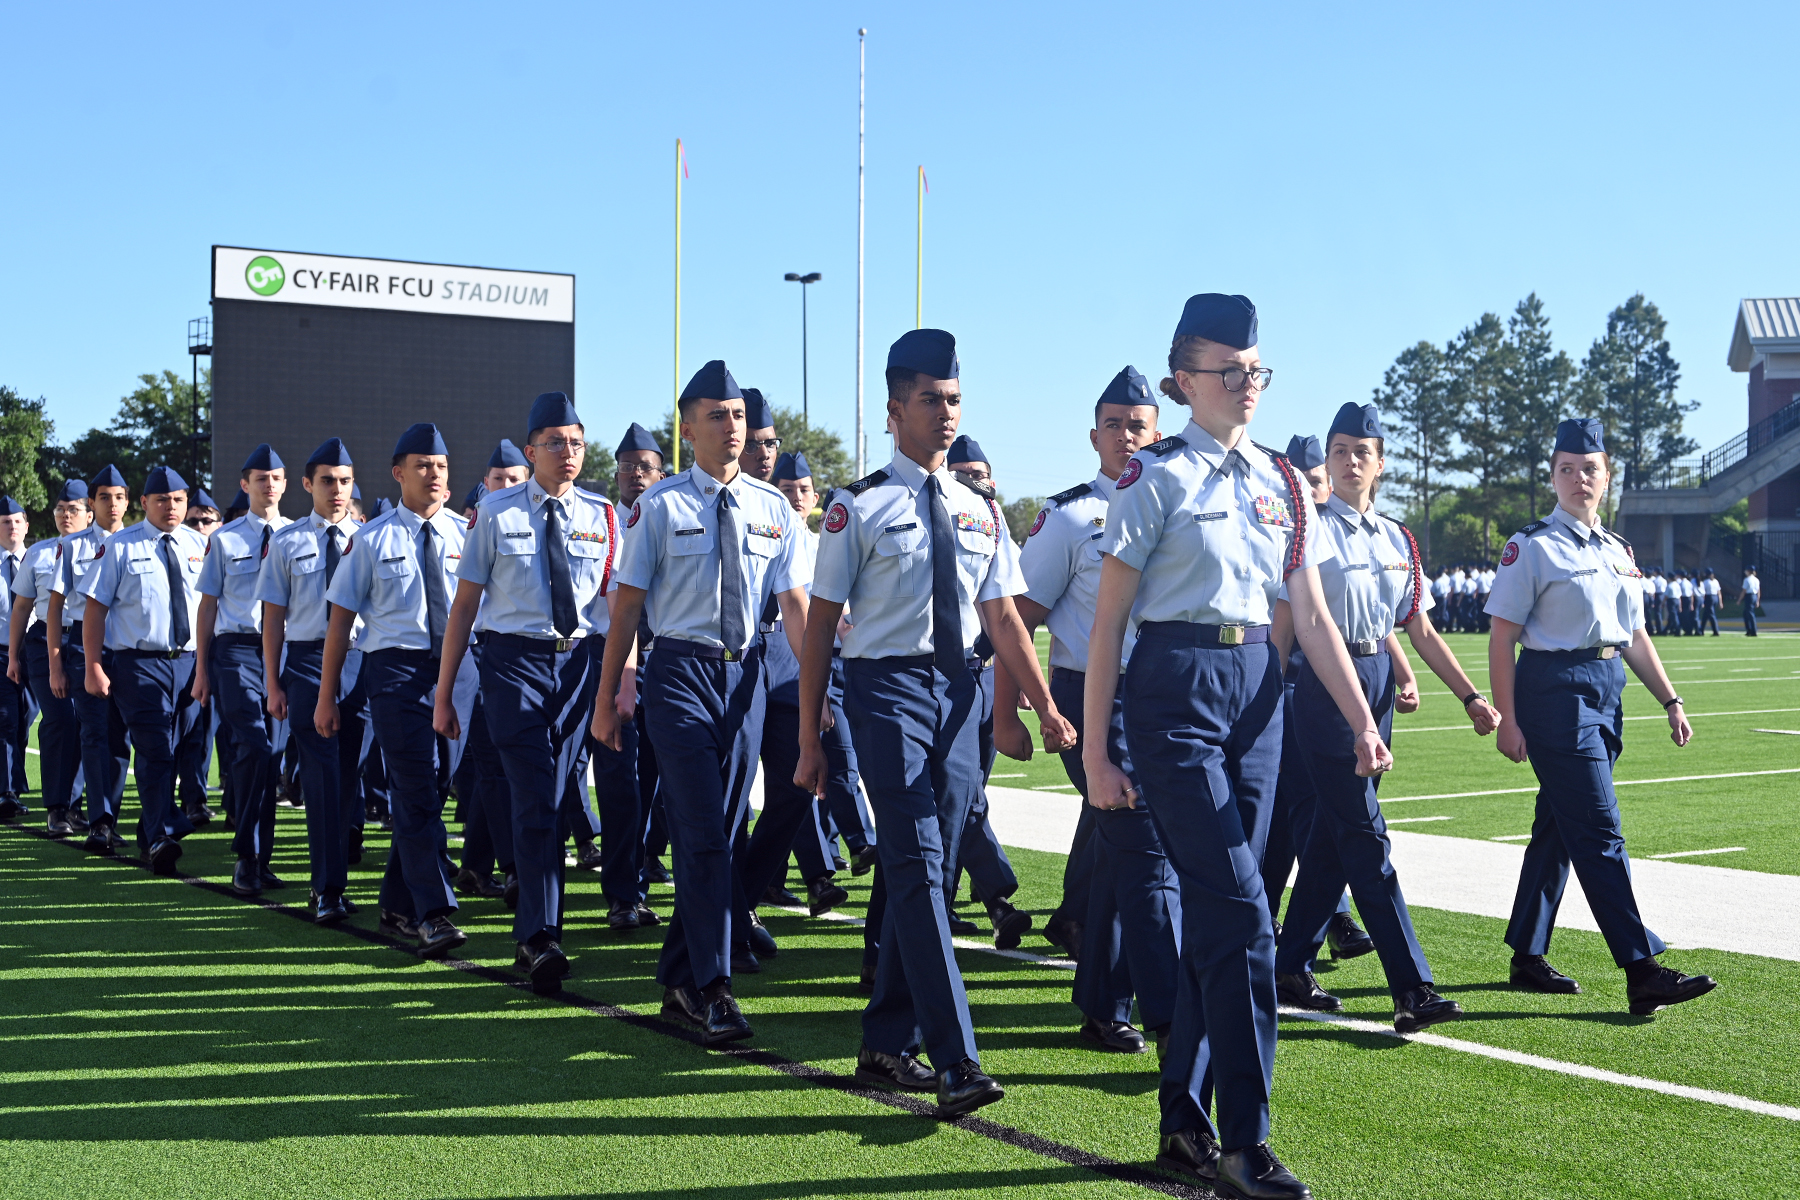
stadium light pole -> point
(199, 342)
(805, 392)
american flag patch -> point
(1272, 510)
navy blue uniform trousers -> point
(484, 798)
(105, 748)
(1567, 706)
(624, 786)
(235, 668)
(1203, 727)
(917, 740)
(401, 686)
(789, 820)
(15, 727)
(153, 693)
(1347, 838)
(703, 715)
(991, 874)
(538, 700)
(327, 765)
(1291, 815)
(59, 733)
(843, 808)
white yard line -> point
(1416, 820)
(1512, 837)
(1789, 732)
(1618, 783)
(1697, 853)
(1742, 712)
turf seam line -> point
(1618, 783)
(807, 1072)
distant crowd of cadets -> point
(1224, 670)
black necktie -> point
(267, 530)
(946, 605)
(11, 567)
(562, 587)
(179, 629)
(333, 552)
(436, 607)
(731, 578)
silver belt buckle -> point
(1365, 648)
(1231, 635)
(729, 655)
(1607, 652)
(563, 645)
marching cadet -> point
(915, 553)
(396, 577)
(193, 758)
(1686, 594)
(1202, 530)
(1372, 585)
(230, 662)
(1654, 586)
(532, 585)
(707, 549)
(302, 561)
(1567, 594)
(142, 606)
(59, 736)
(1750, 596)
(104, 751)
(1131, 916)
(1712, 598)
(15, 697)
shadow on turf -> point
(958, 1182)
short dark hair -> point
(900, 381)
(532, 434)
(1100, 404)
(313, 468)
(684, 407)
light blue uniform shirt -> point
(1572, 587)
(133, 583)
(672, 552)
(293, 575)
(1061, 566)
(380, 577)
(80, 551)
(12, 567)
(1372, 576)
(504, 553)
(32, 579)
(1212, 530)
(875, 553)
(234, 558)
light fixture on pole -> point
(199, 342)
(805, 393)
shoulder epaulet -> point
(1074, 493)
(1618, 537)
(1167, 446)
(866, 482)
(984, 490)
(1271, 452)
(1535, 527)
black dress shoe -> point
(97, 841)
(1303, 991)
(246, 879)
(780, 897)
(330, 911)
(1254, 1173)
(270, 880)
(474, 883)
(744, 961)
(1665, 986)
(1346, 938)
(356, 843)
(396, 926)
(509, 892)
(1010, 925)
(647, 916)
(56, 823)
(863, 861)
(10, 807)
(865, 983)
(1535, 972)
(963, 1089)
(77, 822)
(164, 853)
(1190, 1152)
(198, 814)
(762, 942)
(230, 823)
(724, 1020)
(1060, 931)
(655, 872)
(1113, 1035)
(894, 1070)
(587, 856)
(838, 863)
(547, 965)
(962, 928)
(822, 895)
(438, 937)
(623, 915)
(1421, 1007)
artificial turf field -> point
(164, 1038)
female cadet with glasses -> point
(1202, 530)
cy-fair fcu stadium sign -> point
(283, 277)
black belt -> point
(525, 641)
(1586, 654)
(1367, 648)
(1071, 673)
(162, 655)
(1207, 635)
(924, 660)
(307, 646)
(688, 649)
(403, 652)
(237, 639)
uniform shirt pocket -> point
(516, 541)
(306, 564)
(146, 565)
(399, 567)
(690, 564)
(904, 545)
(246, 565)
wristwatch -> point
(1471, 697)
(1671, 702)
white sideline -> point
(1617, 783)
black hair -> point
(900, 381)
(1100, 404)
(532, 434)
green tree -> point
(1537, 385)
(1633, 377)
(1019, 515)
(26, 432)
(154, 427)
(1422, 416)
(1478, 359)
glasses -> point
(976, 476)
(562, 445)
(639, 469)
(773, 443)
(1234, 378)
(197, 522)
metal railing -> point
(1698, 472)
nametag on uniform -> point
(1218, 516)
(1350, 566)
(516, 533)
(763, 531)
(901, 528)
(304, 557)
(400, 558)
(1579, 574)
(1094, 537)
(241, 558)
(688, 532)
(1272, 510)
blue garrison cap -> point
(355, 492)
(383, 505)
(1229, 320)
(1581, 435)
(475, 495)
(1128, 387)
(966, 449)
(73, 489)
(550, 409)
(200, 499)
(331, 453)
(263, 458)
(638, 438)
(1304, 452)
(163, 480)
(508, 455)
(9, 506)
(107, 476)
(928, 351)
(1357, 421)
(241, 500)
(422, 438)
(791, 466)
(712, 382)
(756, 410)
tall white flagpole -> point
(862, 59)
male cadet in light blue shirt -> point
(142, 605)
(914, 552)
(1121, 908)
(230, 661)
(707, 549)
(302, 561)
(16, 709)
(397, 577)
(537, 556)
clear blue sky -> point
(1370, 176)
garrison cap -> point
(966, 449)
(1228, 320)
(200, 499)
(1357, 421)
(928, 351)
(163, 480)
(383, 505)
(475, 495)
(1128, 387)
(791, 466)
(72, 489)
(712, 382)
(638, 438)
(331, 453)
(263, 458)
(355, 491)
(9, 506)
(1580, 435)
(1304, 452)
(508, 455)
(107, 476)
(756, 410)
(422, 438)
(551, 409)
(239, 501)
